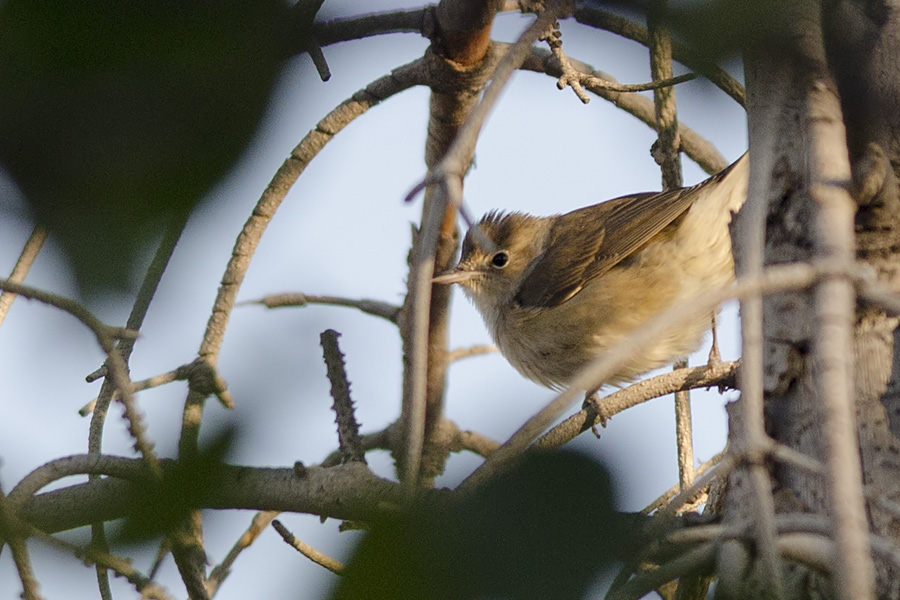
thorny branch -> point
(348, 429)
(124, 348)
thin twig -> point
(23, 265)
(684, 433)
(138, 386)
(598, 413)
(97, 327)
(666, 497)
(380, 440)
(258, 524)
(100, 544)
(333, 565)
(570, 77)
(389, 439)
(668, 146)
(199, 374)
(124, 348)
(646, 581)
(596, 83)
(118, 370)
(469, 351)
(376, 308)
(723, 468)
(477, 443)
(667, 152)
(304, 13)
(118, 565)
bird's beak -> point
(455, 275)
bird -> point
(557, 291)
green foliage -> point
(116, 115)
(542, 530)
(158, 507)
(713, 29)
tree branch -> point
(348, 492)
(591, 15)
(598, 413)
(376, 308)
(23, 265)
(698, 149)
(333, 565)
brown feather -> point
(602, 235)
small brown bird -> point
(557, 291)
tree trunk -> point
(862, 40)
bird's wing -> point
(588, 242)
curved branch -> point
(698, 149)
(420, 20)
(79, 464)
(248, 239)
(347, 491)
(592, 16)
(105, 334)
(399, 80)
(117, 369)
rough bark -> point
(862, 39)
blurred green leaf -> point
(116, 115)
(713, 29)
(543, 530)
(158, 508)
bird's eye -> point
(500, 259)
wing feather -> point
(588, 242)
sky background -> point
(343, 230)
